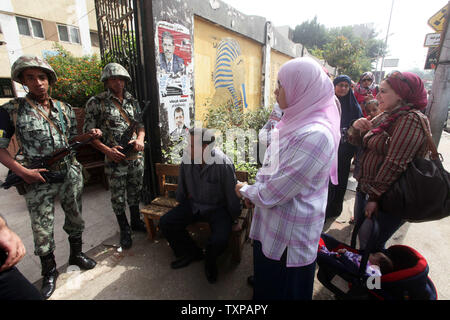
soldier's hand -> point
(32, 175)
(13, 246)
(137, 144)
(95, 133)
(115, 155)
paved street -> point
(143, 272)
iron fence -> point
(119, 30)
(117, 36)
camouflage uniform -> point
(101, 112)
(39, 139)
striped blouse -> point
(386, 155)
(290, 203)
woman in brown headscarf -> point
(390, 141)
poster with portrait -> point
(175, 72)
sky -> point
(406, 33)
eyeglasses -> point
(398, 75)
(367, 79)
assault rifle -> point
(126, 138)
(13, 180)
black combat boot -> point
(77, 257)
(50, 275)
(125, 231)
(136, 223)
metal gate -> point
(121, 42)
(117, 36)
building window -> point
(6, 89)
(94, 39)
(69, 34)
(30, 27)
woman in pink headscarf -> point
(390, 141)
(290, 192)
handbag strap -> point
(430, 143)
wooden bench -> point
(94, 162)
(91, 159)
(163, 204)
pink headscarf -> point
(310, 99)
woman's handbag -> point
(422, 193)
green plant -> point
(241, 129)
(78, 77)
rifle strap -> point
(122, 112)
(61, 117)
(15, 113)
(47, 118)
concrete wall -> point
(277, 59)
(228, 57)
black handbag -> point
(422, 192)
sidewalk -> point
(144, 272)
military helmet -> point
(114, 70)
(30, 61)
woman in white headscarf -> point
(290, 200)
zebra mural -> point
(229, 74)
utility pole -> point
(439, 100)
(386, 40)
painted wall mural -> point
(229, 74)
(228, 68)
(175, 72)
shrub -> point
(227, 118)
(78, 77)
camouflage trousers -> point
(125, 178)
(40, 199)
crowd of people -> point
(322, 126)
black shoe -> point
(50, 275)
(125, 231)
(185, 260)
(136, 223)
(251, 281)
(77, 257)
(211, 270)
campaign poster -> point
(175, 73)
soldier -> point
(113, 111)
(42, 126)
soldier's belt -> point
(133, 157)
(63, 165)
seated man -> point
(205, 193)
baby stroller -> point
(408, 281)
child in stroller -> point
(406, 280)
(377, 264)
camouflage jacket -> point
(36, 136)
(106, 116)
